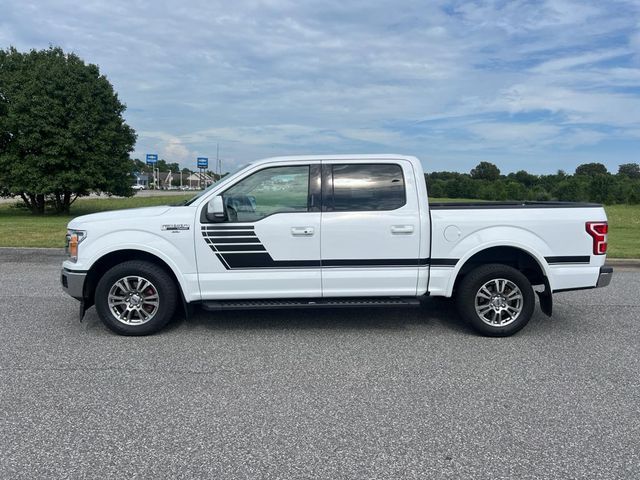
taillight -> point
(598, 231)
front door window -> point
(267, 192)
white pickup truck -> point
(332, 231)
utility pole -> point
(218, 159)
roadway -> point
(316, 394)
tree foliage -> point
(591, 169)
(485, 171)
(62, 134)
(161, 165)
(589, 184)
(629, 170)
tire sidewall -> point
(478, 277)
(162, 282)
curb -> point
(17, 254)
(630, 263)
(27, 250)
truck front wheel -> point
(497, 300)
(136, 298)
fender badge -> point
(174, 227)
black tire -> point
(161, 282)
(470, 287)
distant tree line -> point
(591, 182)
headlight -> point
(74, 238)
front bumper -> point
(604, 278)
(73, 283)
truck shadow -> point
(434, 313)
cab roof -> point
(364, 156)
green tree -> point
(634, 193)
(437, 189)
(62, 134)
(538, 193)
(591, 169)
(164, 166)
(515, 191)
(620, 189)
(573, 189)
(524, 178)
(601, 187)
(485, 171)
(631, 170)
(139, 165)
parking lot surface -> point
(332, 394)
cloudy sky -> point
(539, 85)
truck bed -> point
(553, 232)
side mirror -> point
(215, 209)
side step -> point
(310, 303)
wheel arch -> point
(111, 259)
(531, 265)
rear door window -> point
(366, 187)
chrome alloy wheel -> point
(499, 302)
(133, 300)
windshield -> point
(202, 192)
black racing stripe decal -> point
(222, 260)
(391, 262)
(443, 262)
(238, 233)
(227, 227)
(568, 259)
(240, 248)
(264, 260)
(375, 262)
(218, 240)
(210, 243)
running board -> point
(310, 303)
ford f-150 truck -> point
(332, 231)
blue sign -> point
(203, 162)
(152, 158)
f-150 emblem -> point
(174, 227)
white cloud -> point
(579, 60)
(430, 78)
(167, 146)
(517, 133)
(175, 150)
(575, 106)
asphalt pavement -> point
(331, 394)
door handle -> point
(401, 229)
(302, 231)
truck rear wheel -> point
(497, 300)
(136, 298)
